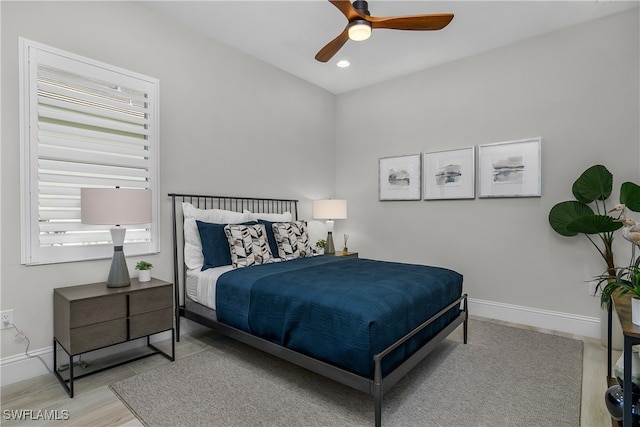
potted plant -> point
(570, 218)
(625, 281)
(145, 271)
(320, 245)
(575, 217)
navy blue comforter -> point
(338, 310)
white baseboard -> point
(543, 319)
(21, 367)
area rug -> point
(504, 376)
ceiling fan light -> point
(359, 30)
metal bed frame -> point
(207, 317)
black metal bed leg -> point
(177, 328)
(377, 392)
(176, 337)
(465, 325)
(465, 328)
(176, 275)
(173, 344)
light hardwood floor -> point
(95, 404)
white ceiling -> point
(288, 34)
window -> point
(83, 124)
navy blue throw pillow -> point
(215, 247)
(273, 245)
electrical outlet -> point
(6, 319)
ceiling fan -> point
(361, 23)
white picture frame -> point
(510, 169)
(450, 174)
(400, 177)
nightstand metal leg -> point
(70, 376)
(156, 350)
(68, 387)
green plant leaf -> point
(630, 195)
(626, 280)
(596, 183)
(564, 213)
(593, 224)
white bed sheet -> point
(201, 285)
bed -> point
(245, 268)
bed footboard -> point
(376, 387)
(381, 383)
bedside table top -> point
(92, 290)
(341, 253)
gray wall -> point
(219, 109)
(576, 88)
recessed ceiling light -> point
(343, 63)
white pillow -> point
(193, 257)
(272, 217)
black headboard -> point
(230, 203)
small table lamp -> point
(116, 206)
(330, 210)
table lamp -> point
(117, 207)
(330, 210)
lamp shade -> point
(115, 206)
(330, 209)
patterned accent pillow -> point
(286, 240)
(304, 244)
(292, 239)
(248, 245)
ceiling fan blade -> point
(327, 52)
(347, 9)
(412, 22)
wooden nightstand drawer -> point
(150, 300)
(152, 322)
(96, 310)
(100, 335)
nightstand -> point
(91, 317)
(345, 254)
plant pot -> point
(144, 275)
(635, 372)
(635, 311)
(614, 399)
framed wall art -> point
(400, 178)
(510, 169)
(450, 174)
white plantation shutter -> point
(86, 124)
